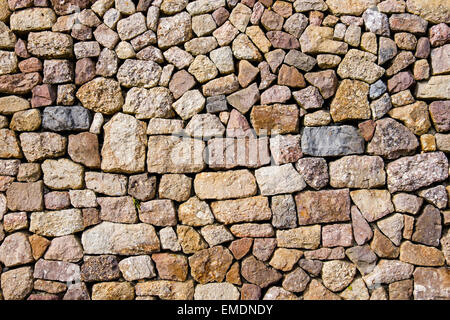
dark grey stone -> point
(216, 104)
(64, 118)
(332, 141)
(428, 227)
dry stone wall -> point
(224, 149)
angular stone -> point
(437, 87)
(279, 119)
(412, 173)
(244, 49)
(337, 275)
(216, 291)
(428, 227)
(388, 271)
(357, 172)
(174, 30)
(11, 104)
(242, 210)
(139, 73)
(392, 140)
(301, 237)
(15, 250)
(171, 154)
(62, 174)
(190, 240)
(363, 257)
(106, 183)
(350, 101)
(167, 290)
(203, 25)
(373, 204)
(210, 265)
(158, 212)
(57, 200)
(316, 291)
(288, 179)
(314, 171)
(418, 254)
(56, 223)
(195, 213)
(340, 140)
(431, 283)
(19, 83)
(383, 247)
(439, 111)
(285, 148)
(25, 196)
(300, 60)
(205, 126)
(253, 230)
(17, 283)
(112, 291)
(101, 95)
(367, 71)
(244, 99)
(407, 22)
(50, 45)
(65, 118)
(113, 238)
(257, 272)
(323, 206)
(335, 235)
(137, 268)
(169, 239)
(66, 248)
(317, 39)
(216, 234)
(171, 266)
(239, 184)
(240, 247)
(190, 103)
(326, 81)
(203, 69)
(28, 120)
(434, 12)
(415, 116)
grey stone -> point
(65, 118)
(377, 89)
(332, 141)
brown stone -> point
(280, 119)
(256, 272)
(84, 148)
(210, 265)
(239, 248)
(99, 268)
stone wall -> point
(210, 149)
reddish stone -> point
(439, 34)
(290, 76)
(282, 40)
(367, 129)
(423, 48)
(68, 6)
(43, 95)
(250, 292)
(57, 200)
(440, 114)
(20, 83)
(238, 125)
(220, 16)
(30, 65)
(315, 18)
(83, 148)
(81, 32)
(263, 248)
(239, 248)
(91, 216)
(326, 81)
(181, 82)
(256, 272)
(21, 49)
(84, 71)
(401, 81)
(19, 4)
(171, 266)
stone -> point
(316, 291)
(357, 172)
(421, 255)
(326, 81)
(223, 59)
(380, 106)
(437, 196)
(118, 209)
(169, 239)
(28, 120)
(337, 235)
(376, 22)
(64, 118)
(341, 140)
(439, 34)
(285, 259)
(435, 88)
(83, 148)
(17, 283)
(205, 126)
(84, 71)
(210, 265)
(171, 266)
(303, 62)
(66, 248)
(209, 185)
(66, 94)
(314, 171)
(242, 210)
(20, 83)
(116, 242)
(8, 62)
(112, 291)
(57, 200)
(283, 184)
(258, 273)
(149, 73)
(244, 49)
(274, 119)
(254, 230)
(337, 275)
(50, 45)
(158, 212)
(263, 248)
(363, 257)
(9, 144)
(325, 61)
(412, 173)
(323, 206)
(167, 290)
(106, 183)
(15, 221)
(137, 268)
(56, 223)
(439, 60)
(101, 95)
(317, 39)
(216, 234)
(15, 250)
(216, 291)
(244, 99)
(11, 104)
(190, 103)
(428, 227)
(301, 237)
(167, 154)
(190, 240)
(225, 33)
(368, 71)
(62, 174)
(154, 102)
(195, 213)
(415, 116)
(388, 271)
(430, 283)
(203, 69)
(129, 154)
(25, 196)
(99, 268)
(383, 247)
(239, 248)
(407, 22)
(164, 126)
(83, 198)
(392, 140)
(181, 82)
(350, 101)
(373, 204)
(203, 25)
(392, 227)
(434, 12)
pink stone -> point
(43, 95)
